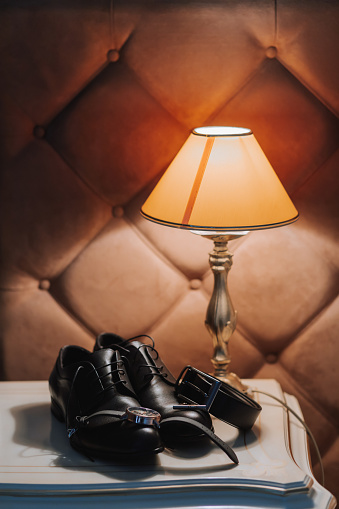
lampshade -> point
(220, 181)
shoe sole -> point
(57, 411)
(117, 456)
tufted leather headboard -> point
(96, 99)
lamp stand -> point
(221, 318)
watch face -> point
(142, 415)
(143, 412)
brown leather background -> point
(96, 99)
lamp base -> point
(233, 380)
(221, 316)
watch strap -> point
(84, 420)
(209, 433)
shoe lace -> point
(154, 369)
(118, 368)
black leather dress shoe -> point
(92, 392)
(154, 386)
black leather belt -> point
(218, 398)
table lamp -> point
(220, 185)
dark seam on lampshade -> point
(198, 179)
(220, 229)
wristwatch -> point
(142, 415)
(138, 415)
(149, 417)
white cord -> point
(307, 429)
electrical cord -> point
(307, 429)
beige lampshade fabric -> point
(220, 180)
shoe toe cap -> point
(181, 431)
(119, 439)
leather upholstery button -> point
(117, 211)
(113, 55)
(195, 284)
(271, 358)
(39, 131)
(44, 284)
(271, 52)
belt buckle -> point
(185, 378)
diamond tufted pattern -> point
(96, 99)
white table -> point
(39, 469)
